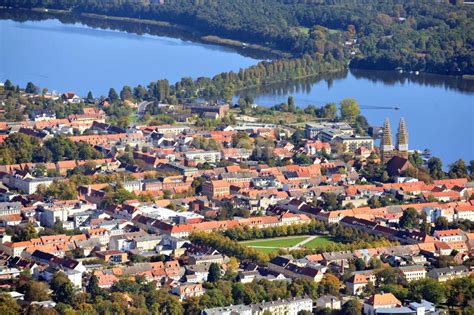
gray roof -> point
(237, 309)
(338, 255)
(449, 270)
(10, 205)
(233, 309)
(327, 298)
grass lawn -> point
(265, 250)
(270, 245)
(320, 241)
(275, 243)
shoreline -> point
(198, 36)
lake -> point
(76, 57)
(71, 56)
(438, 110)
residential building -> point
(71, 97)
(113, 256)
(351, 143)
(199, 157)
(280, 307)
(328, 301)
(380, 301)
(356, 284)
(327, 131)
(187, 290)
(26, 182)
(216, 188)
(447, 236)
(448, 273)
(412, 273)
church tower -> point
(402, 140)
(386, 146)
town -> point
(132, 204)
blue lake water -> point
(75, 57)
(439, 110)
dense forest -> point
(422, 35)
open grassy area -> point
(276, 242)
(273, 244)
(320, 241)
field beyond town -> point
(269, 245)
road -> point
(142, 107)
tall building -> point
(386, 146)
(387, 149)
(402, 140)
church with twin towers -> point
(387, 149)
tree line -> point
(137, 296)
(225, 85)
(16, 106)
(227, 242)
(415, 35)
(21, 148)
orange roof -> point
(220, 183)
(259, 220)
(337, 213)
(54, 238)
(458, 245)
(465, 207)
(50, 248)
(18, 244)
(222, 136)
(315, 257)
(383, 299)
(359, 278)
(452, 232)
(232, 168)
(451, 182)
(106, 279)
(441, 245)
(79, 237)
(99, 139)
(67, 164)
(429, 247)
(98, 231)
(11, 218)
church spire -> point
(386, 146)
(402, 139)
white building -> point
(454, 235)
(464, 213)
(380, 301)
(26, 183)
(9, 208)
(280, 307)
(172, 129)
(413, 272)
(203, 156)
(433, 213)
(62, 211)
